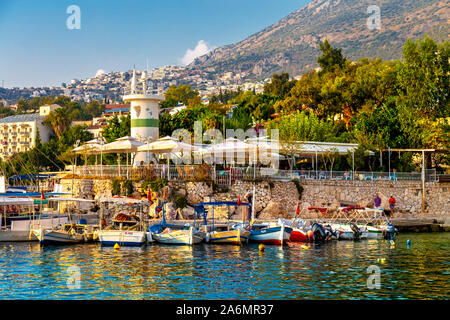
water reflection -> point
(336, 270)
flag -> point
(298, 208)
(42, 195)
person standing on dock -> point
(392, 204)
(377, 202)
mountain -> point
(291, 45)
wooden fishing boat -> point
(237, 236)
(121, 237)
(17, 215)
(270, 234)
(126, 230)
(67, 234)
(222, 233)
(179, 237)
(165, 233)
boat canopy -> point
(33, 177)
(5, 201)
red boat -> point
(300, 235)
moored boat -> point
(181, 237)
(236, 237)
(121, 237)
(126, 230)
(219, 232)
(270, 234)
(68, 233)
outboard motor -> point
(389, 233)
(319, 232)
(356, 231)
(329, 232)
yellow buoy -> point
(304, 247)
(261, 247)
(382, 260)
(116, 246)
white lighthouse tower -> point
(144, 111)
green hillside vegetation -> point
(375, 103)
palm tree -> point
(59, 120)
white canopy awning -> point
(4, 201)
(168, 145)
(123, 145)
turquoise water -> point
(336, 270)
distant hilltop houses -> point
(115, 84)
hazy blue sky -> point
(37, 49)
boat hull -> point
(236, 237)
(58, 237)
(16, 236)
(179, 237)
(121, 237)
(299, 235)
(272, 235)
(346, 233)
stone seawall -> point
(280, 199)
(408, 195)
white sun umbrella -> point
(168, 145)
(92, 147)
(230, 147)
(123, 145)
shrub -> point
(128, 186)
(115, 187)
(299, 189)
(155, 185)
(180, 201)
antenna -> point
(133, 81)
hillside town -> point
(113, 85)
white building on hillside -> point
(19, 133)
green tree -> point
(181, 94)
(279, 86)
(423, 82)
(59, 120)
(117, 128)
(331, 58)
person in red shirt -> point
(392, 203)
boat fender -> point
(207, 237)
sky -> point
(38, 49)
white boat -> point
(19, 231)
(182, 237)
(270, 234)
(68, 233)
(121, 237)
(347, 231)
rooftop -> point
(22, 118)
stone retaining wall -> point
(280, 199)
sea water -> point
(366, 269)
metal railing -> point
(230, 175)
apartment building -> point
(18, 133)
